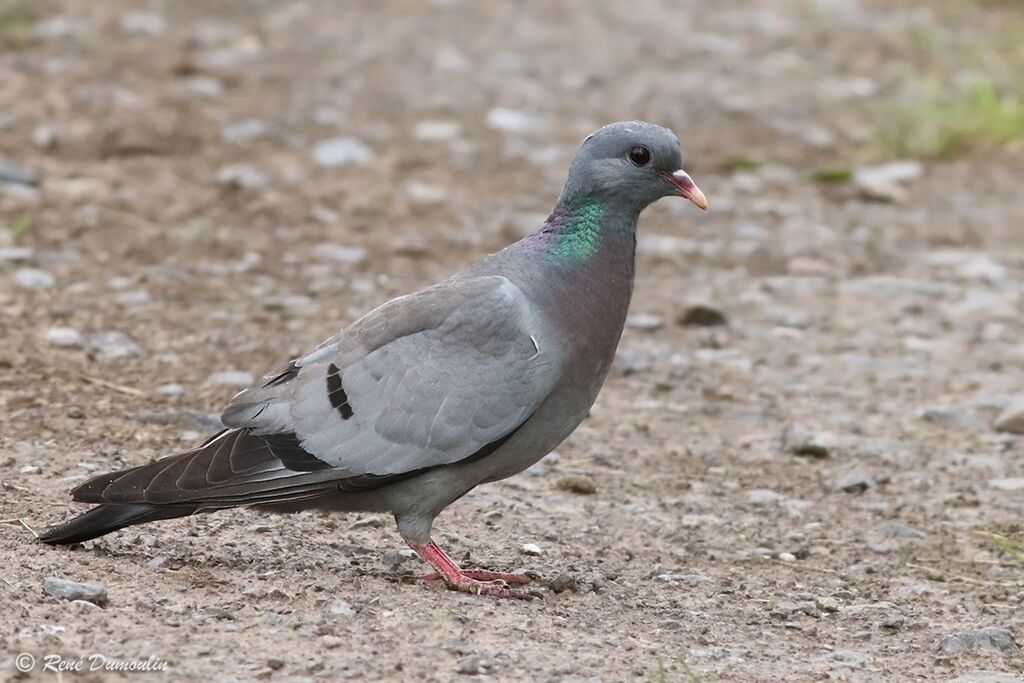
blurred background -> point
(817, 401)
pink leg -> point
(476, 581)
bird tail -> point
(105, 518)
(230, 469)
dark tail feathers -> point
(103, 519)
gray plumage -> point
(467, 381)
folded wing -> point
(431, 379)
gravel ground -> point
(815, 410)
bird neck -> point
(582, 227)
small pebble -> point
(64, 337)
(763, 497)
(170, 390)
(338, 253)
(340, 609)
(512, 121)
(951, 417)
(395, 558)
(44, 136)
(990, 638)
(205, 87)
(563, 582)
(230, 378)
(854, 480)
(474, 665)
(645, 322)
(630, 361)
(577, 483)
(799, 440)
(883, 183)
(157, 562)
(272, 618)
(436, 130)
(702, 315)
(15, 254)
(894, 529)
(827, 604)
(242, 177)
(893, 621)
(113, 345)
(17, 175)
(341, 151)
(246, 129)
(425, 194)
(65, 589)
(1007, 483)
(142, 24)
(33, 278)
(530, 549)
(1011, 420)
(786, 609)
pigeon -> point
(465, 382)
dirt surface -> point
(182, 205)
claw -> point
(473, 581)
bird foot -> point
(474, 581)
(494, 588)
(480, 575)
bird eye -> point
(640, 155)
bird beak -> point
(685, 187)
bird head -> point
(634, 162)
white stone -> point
(246, 129)
(230, 378)
(341, 151)
(1007, 483)
(242, 177)
(763, 497)
(644, 322)
(894, 172)
(64, 337)
(338, 253)
(884, 183)
(15, 254)
(44, 136)
(433, 130)
(33, 278)
(512, 121)
(1012, 419)
(142, 24)
(425, 194)
(112, 345)
(340, 609)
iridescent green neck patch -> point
(575, 232)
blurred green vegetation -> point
(833, 174)
(1010, 546)
(942, 120)
(740, 163)
(16, 19)
(963, 90)
(20, 225)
